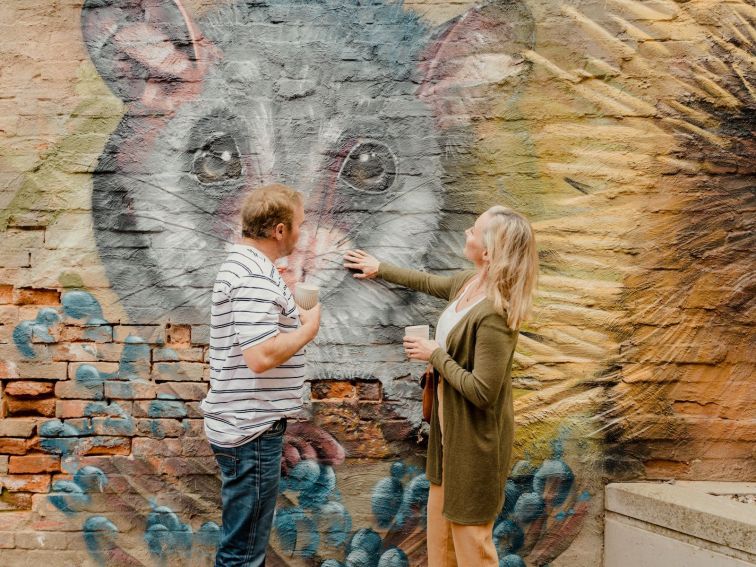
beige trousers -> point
(451, 544)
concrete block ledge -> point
(691, 508)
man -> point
(256, 370)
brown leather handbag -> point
(428, 383)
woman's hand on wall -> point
(362, 261)
(419, 349)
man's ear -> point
(146, 51)
(469, 54)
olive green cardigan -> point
(478, 409)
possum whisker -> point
(178, 225)
(172, 194)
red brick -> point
(193, 354)
(194, 427)
(7, 540)
(369, 390)
(184, 390)
(74, 352)
(20, 407)
(17, 426)
(14, 446)
(196, 447)
(4, 464)
(159, 428)
(160, 409)
(178, 372)
(15, 501)
(130, 390)
(31, 464)
(178, 334)
(105, 369)
(8, 369)
(76, 333)
(105, 446)
(157, 447)
(333, 389)
(26, 389)
(113, 426)
(26, 482)
(85, 408)
(31, 296)
(73, 390)
(152, 334)
(14, 521)
(193, 410)
(43, 370)
(6, 293)
(9, 315)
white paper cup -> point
(306, 295)
(419, 331)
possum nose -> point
(317, 251)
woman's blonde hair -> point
(512, 271)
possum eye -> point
(370, 166)
(218, 160)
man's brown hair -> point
(266, 207)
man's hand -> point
(310, 319)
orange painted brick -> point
(31, 464)
(20, 407)
(14, 446)
(32, 296)
(6, 293)
(26, 482)
(27, 389)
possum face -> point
(351, 105)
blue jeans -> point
(250, 475)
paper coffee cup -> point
(419, 331)
(306, 295)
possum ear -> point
(146, 50)
(472, 53)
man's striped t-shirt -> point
(250, 305)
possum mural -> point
(622, 129)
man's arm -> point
(278, 349)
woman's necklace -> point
(472, 292)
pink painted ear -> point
(147, 51)
(471, 54)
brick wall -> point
(622, 130)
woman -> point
(472, 421)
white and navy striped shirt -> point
(251, 304)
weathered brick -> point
(32, 296)
(193, 410)
(21, 407)
(196, 447)
(14, 521)
(85, 408)
(46, 540)
(193, 354)
(18, 426)
(6, 293)
(178, 372)
(397, 430)
(130, 390)
(42, 370)
(151, 334)
(26, 482)
(178, 334)
(8, 369)
(159, 428)
(105, 446)
(31, 464)
(105, 370)
(114, 426)
(160, 409)
(9, 315)
(14, 445)
(143, 447)
(27, 389)
(94, 334)
(74, 352)
(369, 390)
(7, 540)
(75, 390)
(184, 390)
(194, 427)
(12, 501)
(333, 389)
(201, 334)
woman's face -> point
(474, 248)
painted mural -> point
(622, 129)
